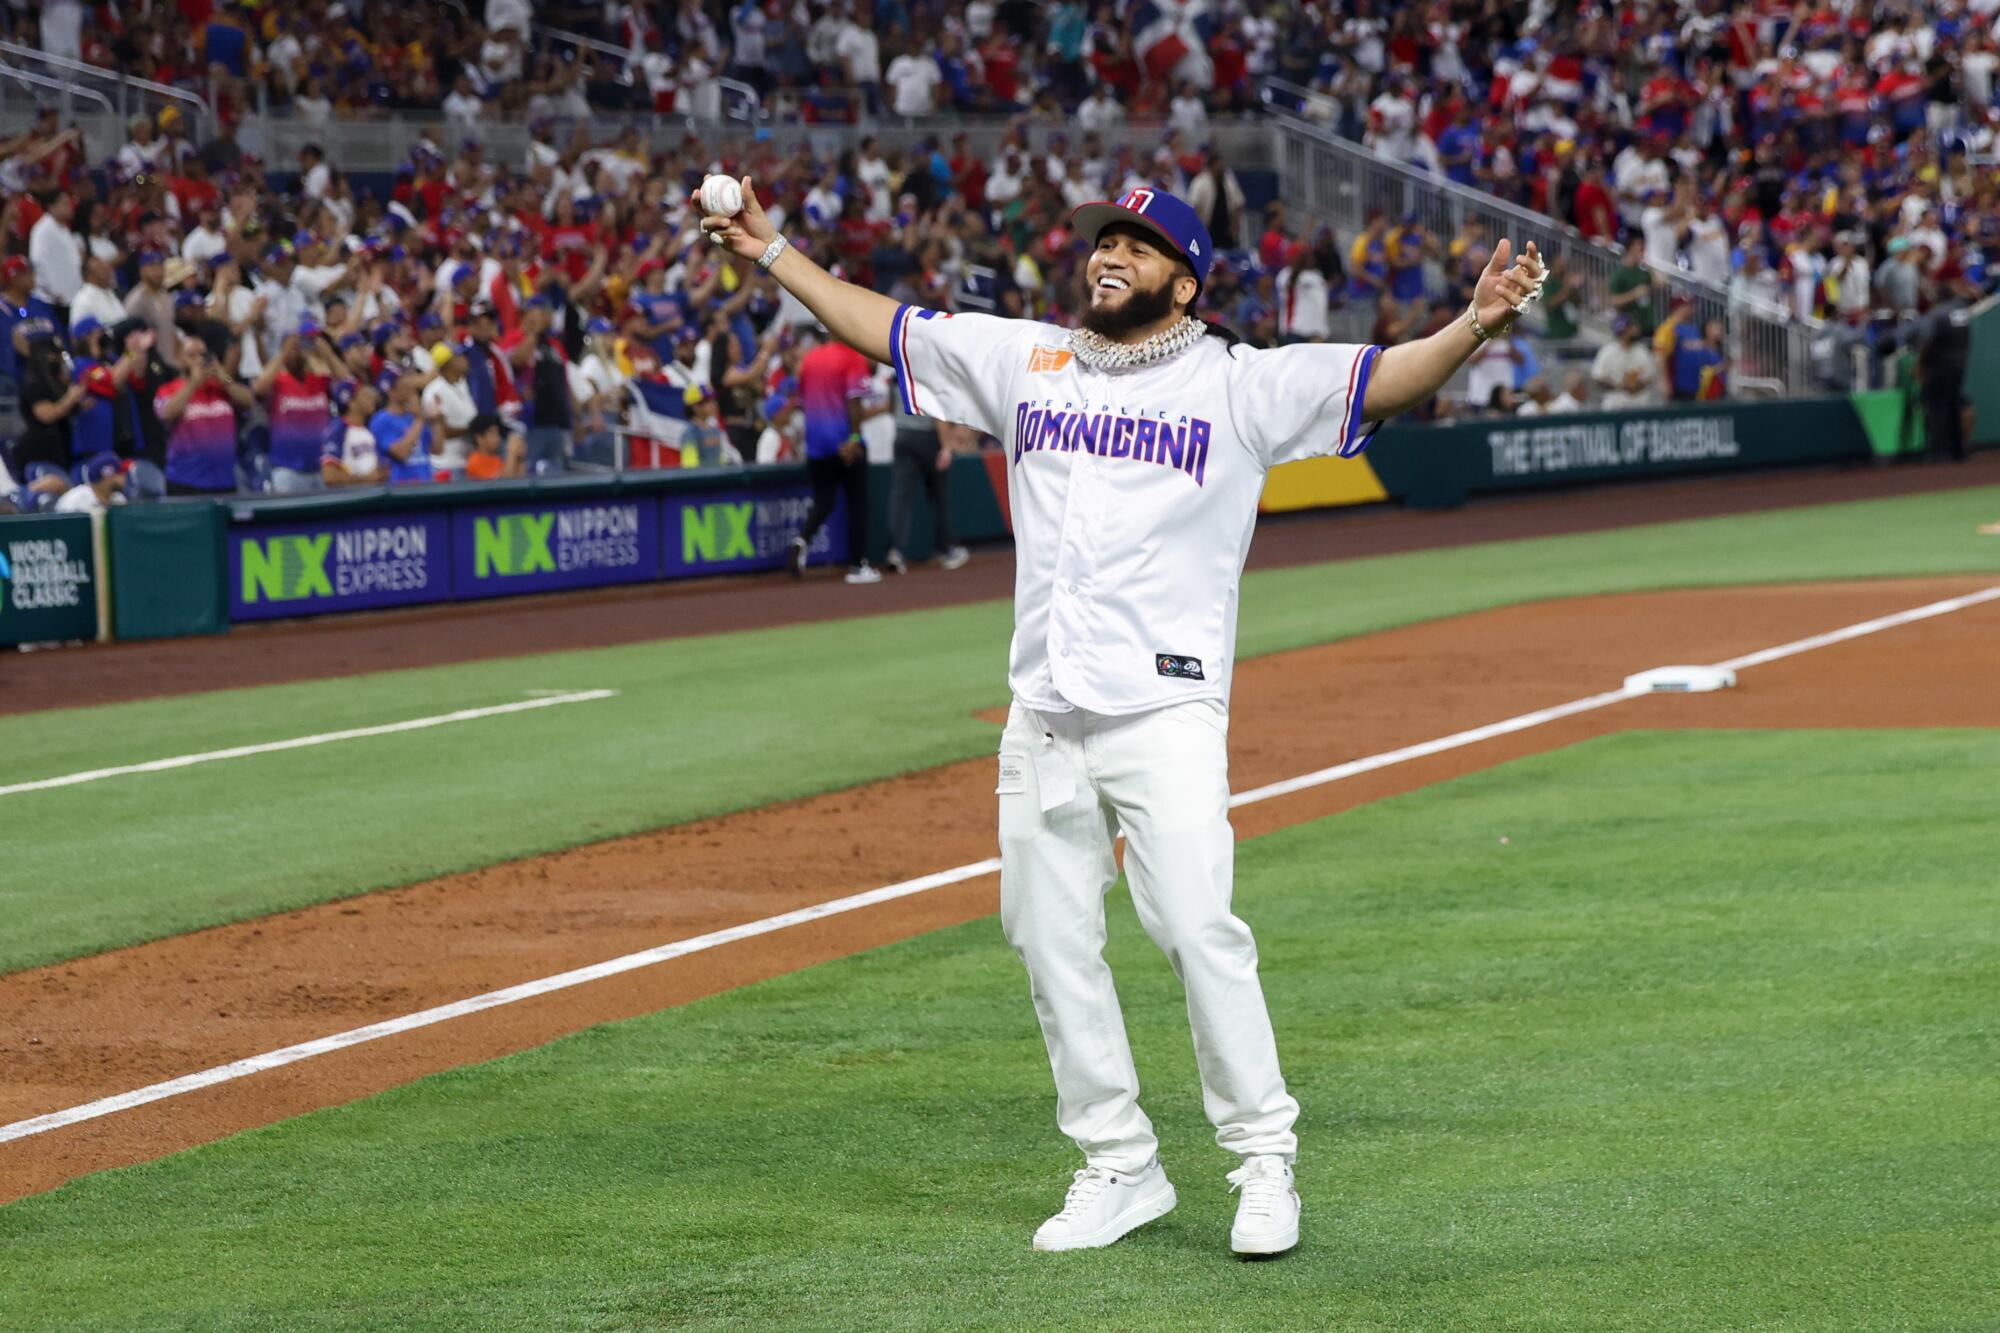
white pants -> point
(291, 481)
(1163, 778)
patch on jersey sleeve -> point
(1180, 668)
(1042, 360)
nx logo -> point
(286, 569)
(513, 544)
(717, 532)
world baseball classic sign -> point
(48, 579)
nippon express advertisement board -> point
(498, 551)
(477, 551)
(306, 569)
(733, 532)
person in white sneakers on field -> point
(1136, 447)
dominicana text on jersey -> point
(1180, 443)
(1132, 492)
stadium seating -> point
(1815, 171)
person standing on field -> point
(1137, 447)
(833, 388)
(922, 462)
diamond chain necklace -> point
(1101, 353)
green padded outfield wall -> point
(1982, 375)
(168, 564)
(1892, 428)
(1441, 465)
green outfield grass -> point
(708, 725)
(1709, 1044)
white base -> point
(1680, 680)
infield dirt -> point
(96, 1026)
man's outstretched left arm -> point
(1407, 375)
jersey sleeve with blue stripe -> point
(1302, 401)
(960, 368)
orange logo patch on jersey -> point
(1044, 359)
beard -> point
(1140, 309)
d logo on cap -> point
(1156, 211)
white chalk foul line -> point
(527, 990)
(545, 700)
(1875, 626)
(255, 1064)
(1355, 767)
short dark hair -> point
(482, 423)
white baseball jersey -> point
(1133, 492)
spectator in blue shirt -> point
(659, 314)
(403, 435)
(1458, 146)
(17, 284)
(1698, 364)
(107, 422)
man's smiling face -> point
(1132, 281)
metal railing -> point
(383, 143)
(740, 101)
(582, 42)
(122, 93)
(67, 95)
(1333, 180)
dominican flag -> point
(1170, 37)
(656, 417)
(660, 408)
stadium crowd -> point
(226, 327)
(207, 321)
(1833, 159)
(827, 60)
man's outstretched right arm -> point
(858, 317)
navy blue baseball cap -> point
(101, 465)
(1158, 212)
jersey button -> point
(1072, 587)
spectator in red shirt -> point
(1596, 212)
(1276, 243)
(968, 171)
(833, 381)
(567, 240)
(510, 286)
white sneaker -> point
(797, 560)
(897, 565)
(955, 558)
(1103, 1205)
(864, 573)
(1267, 1216)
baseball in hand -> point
(721, 196)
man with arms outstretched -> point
(1137, 447)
